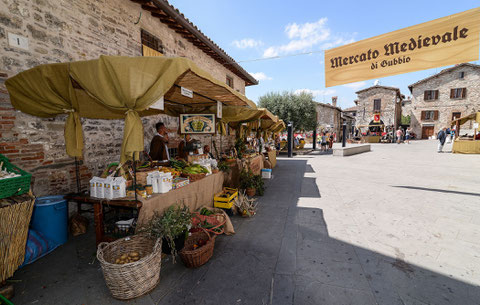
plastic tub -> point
(50, 218)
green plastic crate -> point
(14, 186)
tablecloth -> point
(466, 147)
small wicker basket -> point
(193, 258)
(131, 280)
(216, 220)
(194, 177)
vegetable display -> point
(195, 169)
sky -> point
(251, 31)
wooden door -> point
(427, 131)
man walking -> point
(441, 136)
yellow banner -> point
(441, 42)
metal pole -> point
(344, 134)
(290, 139)
(134, 177)
(315, 138)
(77, 174)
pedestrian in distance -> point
(441, 136)
(330, 142)
(408, 135)
(324, 142)
(399, 135)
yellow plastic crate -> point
(225, 202)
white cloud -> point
(260, 76)
(316, 93)
(356, 85)
(306, 35)
(247, 43)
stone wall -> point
(328, 115)
(388, 113)
(69, 30)
(444, 104)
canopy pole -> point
(77, 175)
(134, 177)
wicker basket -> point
(193, 258)
(131, 280)
(217, 220)
(194, 177)
(14, 220)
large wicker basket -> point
(195, 257)
(217, 221)
(14, 220)
(131, 280)
(194, 177)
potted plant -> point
(173, 227)
(259, 184)
(247, 181)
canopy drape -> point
(116, 87)
(474, 116)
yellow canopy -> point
(115, 87)
(474, 116)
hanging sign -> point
(186, 92)
(445, 41)
(219, 109)
(197, 123)
(376, 118)
(159, 104)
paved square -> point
(398, 225)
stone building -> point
(329, 117)
(351, 111)
(449, 94)
(378, 100)
(34, 32)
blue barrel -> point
(50, 218)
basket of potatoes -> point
(131, 265)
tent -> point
(117, 87)
(466, 146)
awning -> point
(115, 87)
(474, 116)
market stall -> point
(466, 145)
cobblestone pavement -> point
(398, 225)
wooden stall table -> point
(194, 195)
(256, 164)
(272, 157)
(466, 147)
(98, 204)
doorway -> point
(427, 131)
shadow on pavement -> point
(283, 255)
(436, 190)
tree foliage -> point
(300, 109)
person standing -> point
(158, 145)
(407, 135)
(441, 136)
(399, 135)
(330, 142)
(324, 142)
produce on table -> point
(195, 169)
(128, 258)
(171, 170)
(178, 164)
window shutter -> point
(435, 115)
(436, 94)
(423, 115)
(425, 95)
(452, 92)
(464, 92)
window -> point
(151, 41)
(461, 75)
(377, 105)
(458, 93)
(229, 81)
(429, 95)
(456, 115)
(430, 115)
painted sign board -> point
(445, 41)
(197, 123)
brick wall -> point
(444, 104)
(67, 30)
(365, 111)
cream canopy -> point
(115, 87)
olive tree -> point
(300, 109)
